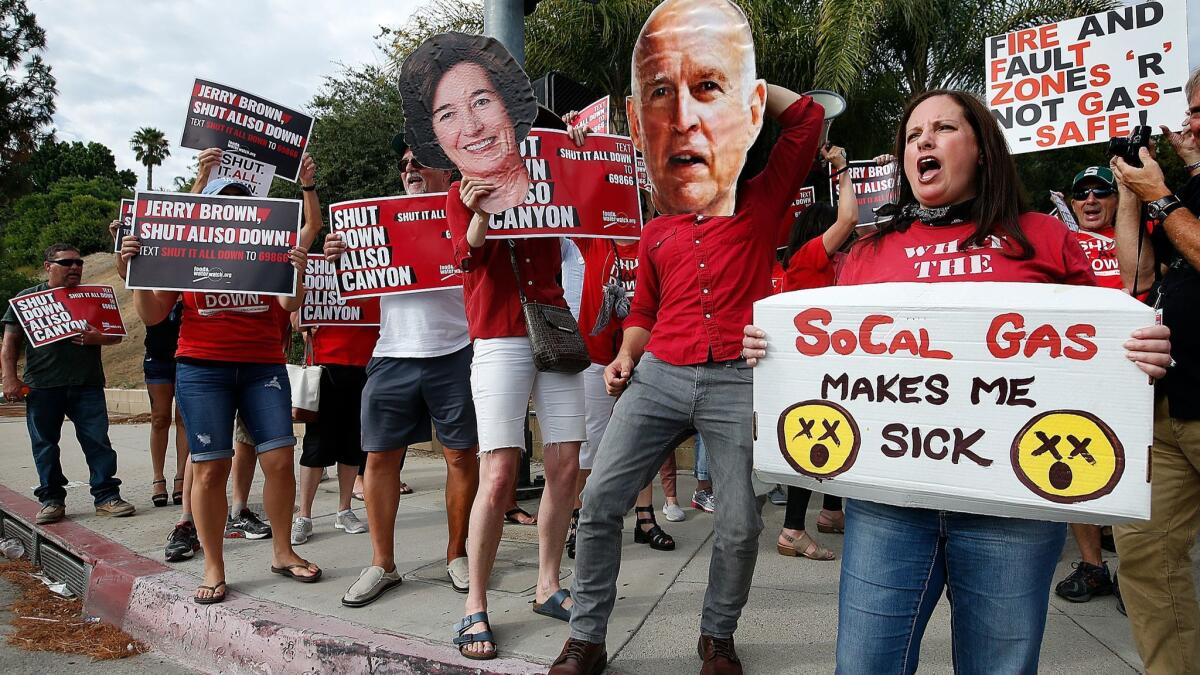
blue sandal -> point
(553, 606)
(465, 638)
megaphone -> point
(834, 105)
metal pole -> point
(505, 21)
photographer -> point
(1156, 570)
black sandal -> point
(511, 516)
(571, 534)
(464, 638)
(658, 540)
(177, 496)
(214, 597)
(160, 498)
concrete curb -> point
(243, 634)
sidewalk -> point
(788, 626)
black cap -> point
(398, 144)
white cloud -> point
(124, 65)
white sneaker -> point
(673, 513)
(301, 530)
(346, 520)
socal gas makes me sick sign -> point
(992, 398)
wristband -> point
(839, 172)
(309, 188)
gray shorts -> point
(405, 397)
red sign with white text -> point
(62, 313)
(394, 245)
(595, 116)
(574, 191)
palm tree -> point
(151, 147)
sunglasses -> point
(404, 164)
(67, 262)
(1100, 193)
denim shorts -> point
(209, 394)
(158, 371)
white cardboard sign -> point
(1089, 79)
(995, 398)
(251, 172)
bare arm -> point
(209, 159)
(1147, 182)
(299, 259)
(847, 209)
(779, 99)
(1128, 228)
(11, 353)
(114, 228)
(151, 306)
(312, 203)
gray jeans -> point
(662, 406)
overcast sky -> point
(122, 65)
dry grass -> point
(45, 622)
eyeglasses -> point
(68, 262)
(416, 166)
(1099, 192)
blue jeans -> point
(996, 572)
(85, 407)
(663, 405)
(210, 394)
(701, 471)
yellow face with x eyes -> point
(1068, 456)
(818, 438)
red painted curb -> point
(114, 568)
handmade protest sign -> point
(209, 243)
(62, 313)
(995, 398)
(220, 116)
(1089, 79)
(394, 245)
(467, 106)
(873, 184)
(595, 116)
(126, 227)
(588, 191)
(324, 306)
(252, 173)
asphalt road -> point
(16, 661)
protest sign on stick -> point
(394, 245)
(595, 116)
(62, 313)
(1089, 79)
(252, 173)
(126, 226)
(873, 184)
(324, 306)
(588, 191)
(995, 398)
(208, 243)
(220, 116)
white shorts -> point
(599, 406)
(502, 379)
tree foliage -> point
(27, 89)
(150, 147)
(56, 160)
(74, 210)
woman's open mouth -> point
(928, 169)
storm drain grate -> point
(57, 563)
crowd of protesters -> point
(666, 325)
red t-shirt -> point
(237, 327)
(810, 267)
(699, 275)
(777, 274)
(344, 345)
(489, 285)
(1100, 247)
(933, 254)
(603, 261)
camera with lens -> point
(1127, 148)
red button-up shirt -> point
(700, 275)
(489, 285)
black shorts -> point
(336, 436)
(405, 397)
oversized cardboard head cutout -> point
(468, 105)
(696, 106)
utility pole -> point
(505, 21)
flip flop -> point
(212, 599)
(553, 606)
(511, 517)
(287, 571)
(405, 489)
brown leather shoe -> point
(579, 657)
(719, 656)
